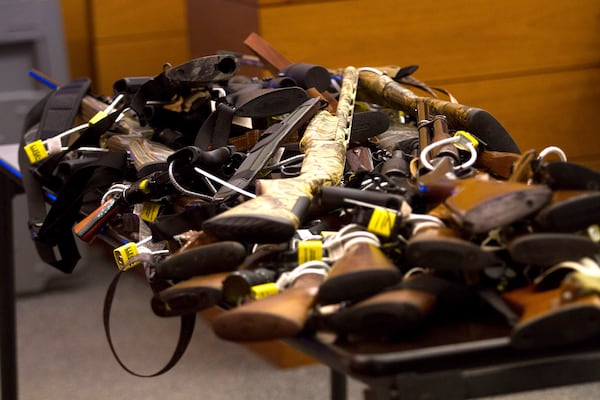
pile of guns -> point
(333, 200)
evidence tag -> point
(309, 250)
(123, 254)
(263, 290)
(382, 221)
(150, 211)
(36, 151)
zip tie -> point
(338, 244)
(460, 139)
(224, 183)
(40, 149)
(125, 255)
(181, 188)
(286, 279)
(117, 188)
(371, 69)
(550, 150)
(423, 221)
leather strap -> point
(185, 333)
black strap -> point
(215, 130)
(55, 114)
(185, 333)
(65, 211)
(62, 108)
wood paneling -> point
(142, 57)
(554, 109)
(448, 38)
(533, 64)
(76, 23)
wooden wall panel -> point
(555, 109)
(136, 58)
(534, 65)
(116, 19)
(449, 39)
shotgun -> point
(556, 317)
(275, 214)
(477, 121)
(361, 271)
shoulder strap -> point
(185, 333)
(55, 113)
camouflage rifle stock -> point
(274, 215)
(474, 120)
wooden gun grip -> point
(87, 228)
(361, 272)
(278, 316)
(546, 320)
(189, 296)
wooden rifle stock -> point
(189, 296)
(478, 204)
(401, 309)
(362, 271)
(551, 318)
(278, 316)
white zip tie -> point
(286, 279)
(552, 150)
(450, 140)
(181, 188)
(224, 183)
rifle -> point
(306, 75)
(479, 204)
(433, 244)
(274, 215)
(549, 248)
(560, 316)
(152, 159)
(222, 256)
(363, 271)
(359, 272)
(266, 147)
(190, 295)
(402, 308)
(477, 121)
(278, 316)
(569, 211)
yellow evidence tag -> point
(382, 222)
(36, 151)
(309, 250)
(150, 211)
(123, 254)
(264, 290)
(99, 115)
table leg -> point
(8, 342)
(339, 385)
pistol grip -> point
(87, 228)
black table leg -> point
(339, 385)
(8, 342)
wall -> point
(535, 65)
